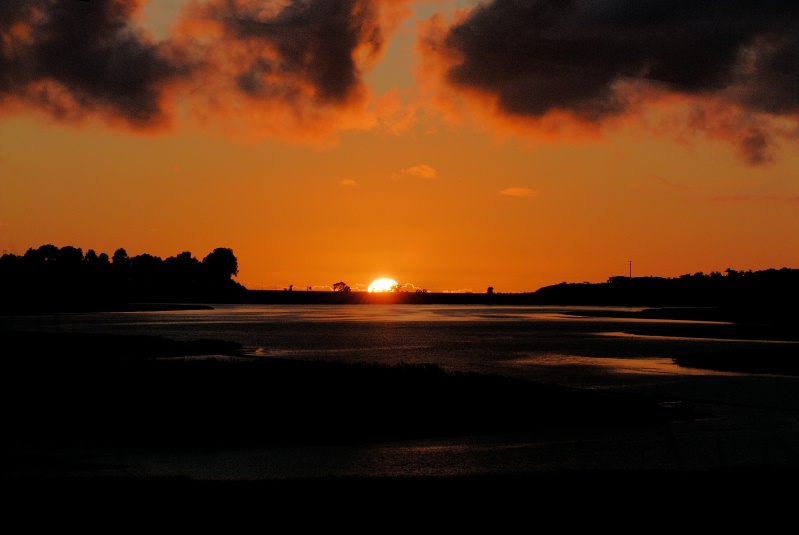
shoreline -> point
(157, 394)
(327, 381)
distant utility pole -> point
(631, 269)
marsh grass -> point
(98, 390)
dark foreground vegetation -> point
(106, 391)
(68, 395)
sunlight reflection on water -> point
(545, 344)
(619, 334)
(561, 344)
(649, 365)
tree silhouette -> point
(221, 264)
(120, 256)
(340, 287)
(49, 278)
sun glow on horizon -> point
(382, 285)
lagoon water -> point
(755, 416)
(565, 345)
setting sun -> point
(382, 285)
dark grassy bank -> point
(104, 391)
(67, 395)
(625, 502)
(775, 360)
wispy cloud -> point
(736, 198)
(417, 171)
(348, 182)
(519, 192)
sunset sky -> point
(448, 145)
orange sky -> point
(447, 148)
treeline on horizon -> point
(730, 290)
(66, 278)
(53, 278)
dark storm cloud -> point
(536, 56)
(313, 41)
(71, 58)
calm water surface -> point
(756, 419)
(553, 344)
